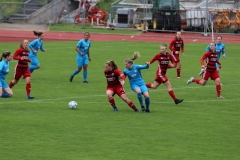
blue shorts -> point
(82, 61)
(217, 65)
(3, 84)
(35, 61)
(143, 88)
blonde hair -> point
(135, 56)
(21, 44)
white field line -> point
(53, 100)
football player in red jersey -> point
(114, 85)
(21, 68)
(163, 59)
(210, 69)
(175, 46)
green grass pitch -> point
(202, 127)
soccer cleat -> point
(137, 110)
(143, 108)
(179, 77)
(147, 110)
(29, 96)
(178, 101)
(190, 80)
(115, 109)
(220, 97)
(201, 72)
(85, 81)
(71, 78)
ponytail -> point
(135, 56)
(5, 55)
(37, 33)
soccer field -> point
(201, 127)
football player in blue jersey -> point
(34, 46)
(133, 72)
(83, 56)
(5, 91)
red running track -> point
(18, 36)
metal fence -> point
(193, 15)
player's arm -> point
(77, 48)
(182, 48)
(88, 52)
(31, 45)
(153, 59)
(173, 60)
(146, 66)
(42, 48)
(16, 55)
(203, 58)
(171, 45)
(123, 77)
(223, 51)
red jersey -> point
(211, 60)
(176, 45)
(22, 64)
(113, 77)
(163, 61)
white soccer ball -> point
(72, 105)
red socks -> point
(218, 89)
(178, 72)
(171, 93)
(28, 88)
(148, 85)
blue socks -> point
(147, 101)
(5, 95)
(84, 75)
(75, 72)
(139, 95)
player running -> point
(114, 85)
(220, 49)
(34, 46)
(163, 59)
(136, 81)
(175, 46)
(210, 69)
(21, 68)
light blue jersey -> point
(134, 75)
(220, 48)
(4, 69)
(36, 45)
(83, 46)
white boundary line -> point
(103, 95)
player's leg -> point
(215, 76)
(6, 91)
(171, 92)
(153, 86)
(110, 95)
(179, 69)
(123, 96)
(85, 72)
(27, 76)
(17, 76)
(80, 65)
(145, 92)
(136, 89)
(34, 64)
